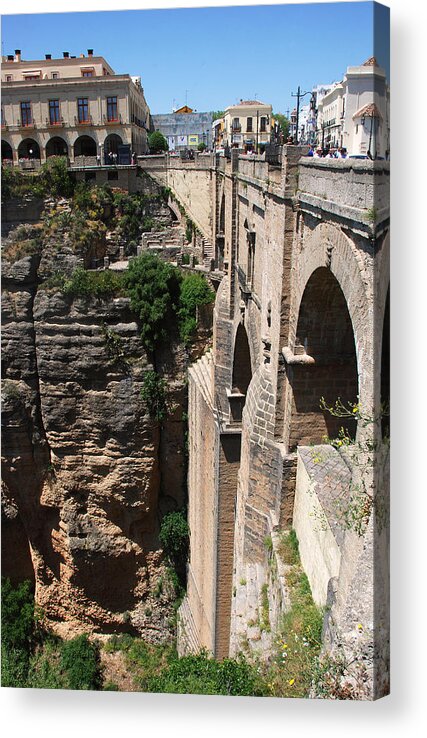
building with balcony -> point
(247, 125)
(73, 106)
(355, 113)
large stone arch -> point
(56, 146)
(324, 362)
(85, 146)
(6, 150)
(327, 246)
(28, 149)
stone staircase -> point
(201, 373)
(208, 254)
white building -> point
(354, 113)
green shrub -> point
(17, 629)
(153, 394)
(194, 292)
(55, 178)
(174, 539)
(45, 667)
(153, 288)
(83, 283)
(80, 662)
(200, 674)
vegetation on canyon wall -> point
(31, 657)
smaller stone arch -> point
(56, 146)
(85, 146)
(6, 151)
(241, 374)
(28, 149)
(112, 143)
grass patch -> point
(299, 639)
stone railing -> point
(351, 185)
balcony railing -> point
(109, 121)
(85, 122)
(27, 124)
(55, 123)
(236, 127)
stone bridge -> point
(301, 313)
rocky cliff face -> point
(86, 472)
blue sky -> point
(213, 56)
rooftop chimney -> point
(90, 52)
(66, 54)
(48, 56)
(10, 57)
(18, 55)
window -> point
(31, 76)
(55, 75)
(9, 78)
(263, 124)
(83, 109)
(236, 124)
(26, 115)
(87, 73)
(54, 115)
(112, 108)
(249, 125)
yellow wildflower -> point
(290, 682)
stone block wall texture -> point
(203, 505)
(305, 250)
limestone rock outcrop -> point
(86, 472)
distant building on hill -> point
(184, 128)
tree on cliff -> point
(157, 143)
(154, 289)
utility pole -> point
(298, 96)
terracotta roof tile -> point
(369, 111)
(371, 62)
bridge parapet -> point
(350, 188)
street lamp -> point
(298, 96)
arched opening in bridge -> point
(28, 149)
(242, 374)
(112, 143)
(6, 151)
(385, 370)
(325, 338)
(221, 234)
(56, 146)
(84, 146)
